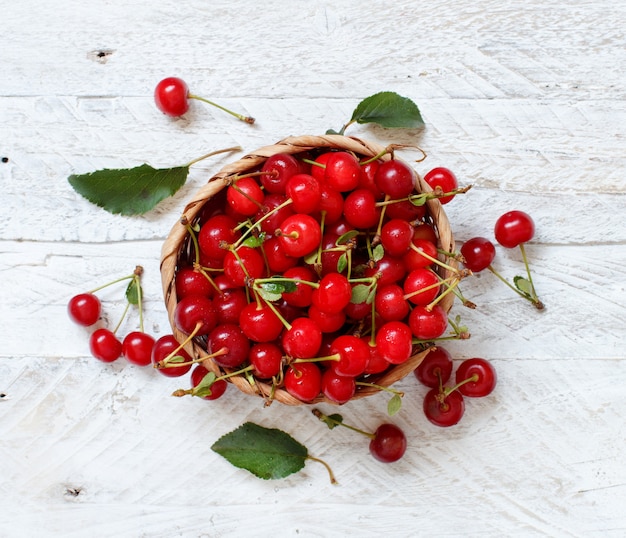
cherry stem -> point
(314, 163)
(538, 304)
(336, 357)
(534, 300)
(333, 480)
(119, 323)
(435, 260)
(121, 279)
(327, 419)
(212, 153)
(380, 387)
(447, 391)
(241, 117)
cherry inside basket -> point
(262, 221)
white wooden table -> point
(524, 100)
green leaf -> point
(360, 293)
(345, 238)
(394, 405)
(133, 291)
(332, 421)
(129, 191)
(272, 291)
(255, 241)
(266, 453)
(389, 110)
(342, 263)
(378, 253)
(523, 284)
(203, 388)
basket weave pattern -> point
(177, 246)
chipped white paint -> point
(523, 99)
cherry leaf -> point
(129, 191)
(134, 292)
(378, 253)
(360, 294)
(332, 421)
(394, 405)
(255, 241)
(523, 285)
(265, 452)
(346, 237)
(342, 263)
(388, 109)
(203, 388)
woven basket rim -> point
(178, 235)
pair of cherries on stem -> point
(445, 405)
(512, 229)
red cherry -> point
(390, 303)
(303, 339)
(435, 369)
(215, 233)
(84, 309)
(338, 388)
(395, 178)
(230, 339)
(171, 96)
(394, 342)
(229, 304)
(303, 381)
(354, 354)
(482, 375)
(188, 281)
(478, 253)
(245, 196)
(195, 314)
(328, 322)
(277, 170)
(389, 443)
(360, 209)
(305, 192)
(428, 324)
(333, 293)
(302, 296)
(267, 359)
(243, 264)
(218, 388)
(514, 228)
(444, 180)
(104, 345)
(137, 348)
(342, 171)
(260, 323)
(444, 409)
(421, 286)
(396, 236)
(300, 234)
(163, 347)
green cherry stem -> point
(330, 420)
(241, 117)
(212, 153)
(538, 304)
(380, 387)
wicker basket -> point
(178, 242)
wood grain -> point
(523, 100)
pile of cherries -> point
(314, 274)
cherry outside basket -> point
(177, 248)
